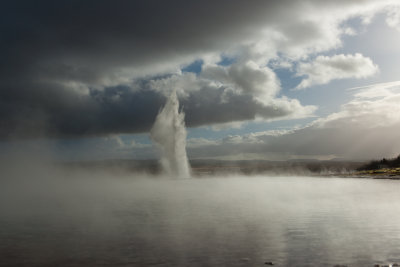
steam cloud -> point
(169, 134)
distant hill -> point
(212, 166)
(290, 167)
(381, 164)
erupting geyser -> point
(169, 134)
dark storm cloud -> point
(56, 111)
(62, 113)
(67, 67)
(46, 44)
(66, 38)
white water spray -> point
(169, 134)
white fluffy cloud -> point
(325, 69)
(246, 77)
(239, 92)
(393, 18)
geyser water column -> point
(169, 135)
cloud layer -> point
(73, 68)
(325, 69)
(365, 127)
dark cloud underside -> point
(67, 68)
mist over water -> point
(55, 217)
(169, 135)
(71, 217)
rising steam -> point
(169, 134)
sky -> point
(274, 80)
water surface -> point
(225, 221)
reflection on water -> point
(231, 221)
